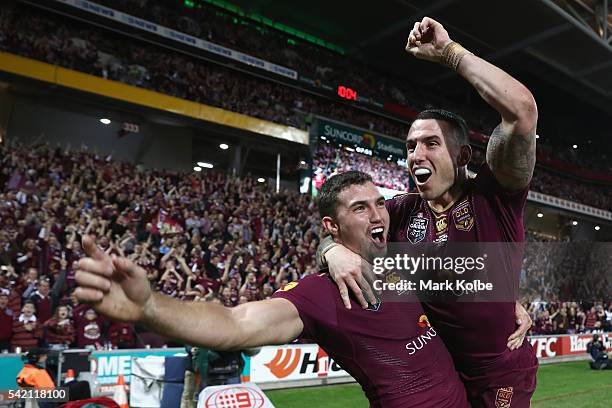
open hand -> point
(345, 268)
(114, 286)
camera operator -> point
(597, 350)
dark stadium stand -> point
(83, 48)
(327, 67)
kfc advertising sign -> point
(566, 345)
(545, 346)
(293, 362)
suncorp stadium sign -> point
(381, 145)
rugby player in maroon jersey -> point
(497, 370)
(390, 348)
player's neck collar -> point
(445, 208)
(461, 192)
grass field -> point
(561, 385)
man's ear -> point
(465, 155)
(330, 226)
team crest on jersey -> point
(463, 217)
(417, 229)
(503, 399)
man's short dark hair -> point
(327, 200)
(457, 123)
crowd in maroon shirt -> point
(330, 159)
(201, 238)
(569, 317)
(204, 237)
(556, 270)
(48, 37)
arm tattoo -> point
(512, 157)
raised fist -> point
(427, 39)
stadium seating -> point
(194, 234)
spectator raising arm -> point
(119, 289)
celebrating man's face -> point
(362, 220)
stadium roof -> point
(563, 42)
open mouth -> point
(422, 175)
(378, 235)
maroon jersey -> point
(475, 333)
(390, 349)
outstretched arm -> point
(119, 289)
(511, 148)
(253, 324)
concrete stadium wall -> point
(155, 146)
(6, 107)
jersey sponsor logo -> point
(503, 398)
(441, 239)
(284, 362)
(441, 224)
(421, 341)
(423, 321)
(417, 229)
(288, 286)
(463, 216)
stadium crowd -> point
(210, 238)
(325, 66)
(555, 271)
(330, 159)
(196, 236)
(569, 317)
(26, 31)
(204, 237)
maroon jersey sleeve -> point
(309, 296)
(507, 205)
(400, 207)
